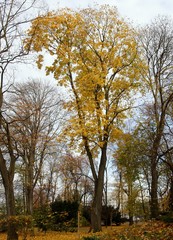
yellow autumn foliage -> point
(95, 55)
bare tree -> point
(166, 156)
(14, 20)
(48, 182)
(76, 177)
(35, 113)
(157, 45)
(14, 14)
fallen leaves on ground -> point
(143, 231)
(153, 230)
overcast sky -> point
(138, 11)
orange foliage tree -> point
(95, 56)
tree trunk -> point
(131, 221)
(170, 203)
(29, 200)
(29, 183)
(96, 210)
(170, 195)
(131, 203)
(11, 232)
(7, 177)
(10, 205)
(154, 207)
(1, 101)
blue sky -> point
(138, 11)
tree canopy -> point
(95, 55)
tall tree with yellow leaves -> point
(95, 56)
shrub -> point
(43, 218)
(166, 217)
(64, 215)
(22, 223)
(109, 215)
(3, 225)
